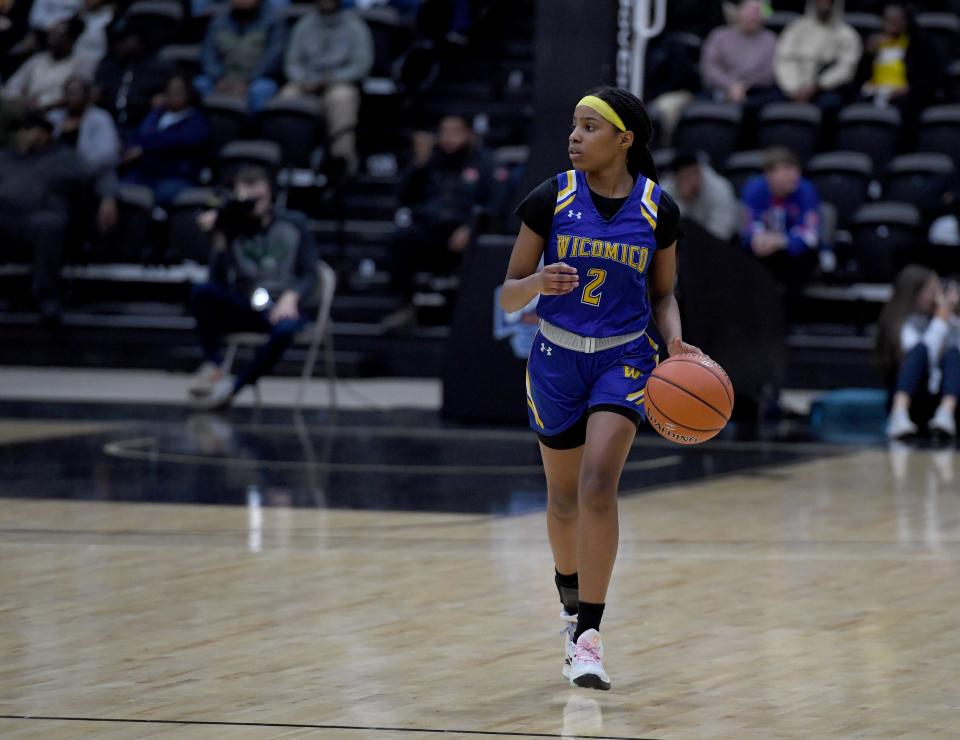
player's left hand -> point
(678, 347)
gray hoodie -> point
(329, 49)
(716, 207)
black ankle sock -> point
(569, 589)
(588, 618)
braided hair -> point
(634, 115)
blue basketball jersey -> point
(611, 258)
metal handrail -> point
(646, 25)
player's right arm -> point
(523, 281)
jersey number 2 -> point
(591, 293)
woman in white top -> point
(919, 340)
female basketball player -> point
(607, 235)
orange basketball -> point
(688, 399)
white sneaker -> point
(943, 423)
(569, 630)
(220, 397)
(899, 425)
(586, 662)
(204, 379)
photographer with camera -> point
(263, 278)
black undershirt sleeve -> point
(668, 222)
(536, 211)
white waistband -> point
(587, 345)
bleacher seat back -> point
(391, 37)
(185, 239)
(162, 21)
(952, 83)
(870, 130)
(711, 128)
(943, 31)
(185, 58)
(238, 154)
(865, 24)
(129, 242)
(841, 179)
(885, 235)
(940, 131)
(294, 125)
(741, 166)
(795, 126)
(780, 19)
(228, 117)
(918, 178)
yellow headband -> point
(603, 108)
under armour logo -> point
(545, 348)
(571, 214)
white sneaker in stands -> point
(943, 423)
(899, 425)
(569, 629)
(586, 662)
(204, 379)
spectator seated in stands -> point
(43, 16)
(263, 278)
(168, 150)
(90, 131)
(39, 186)
(817, 57)
(129, 76)
(672, 74)
(243, 52)
(736, 63)
(96, 16)
(900, 67)
(450, 177)
(917, 344)
(329, 54)
(703, 196)
(38, 83)
(782, 221)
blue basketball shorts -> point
(564, 387)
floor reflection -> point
(582, 716)
(398, 461)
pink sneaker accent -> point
(586, 662)
(588, 651)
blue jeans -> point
(259, 91)
(915, 369)
(221, 311)
(165, 189)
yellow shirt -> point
(889, 65)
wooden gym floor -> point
(165, 576)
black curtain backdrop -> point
(576, 49)
(732, 309)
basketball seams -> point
(692, 395)
(649, 399)
(724, 380)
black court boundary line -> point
(294, 726)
